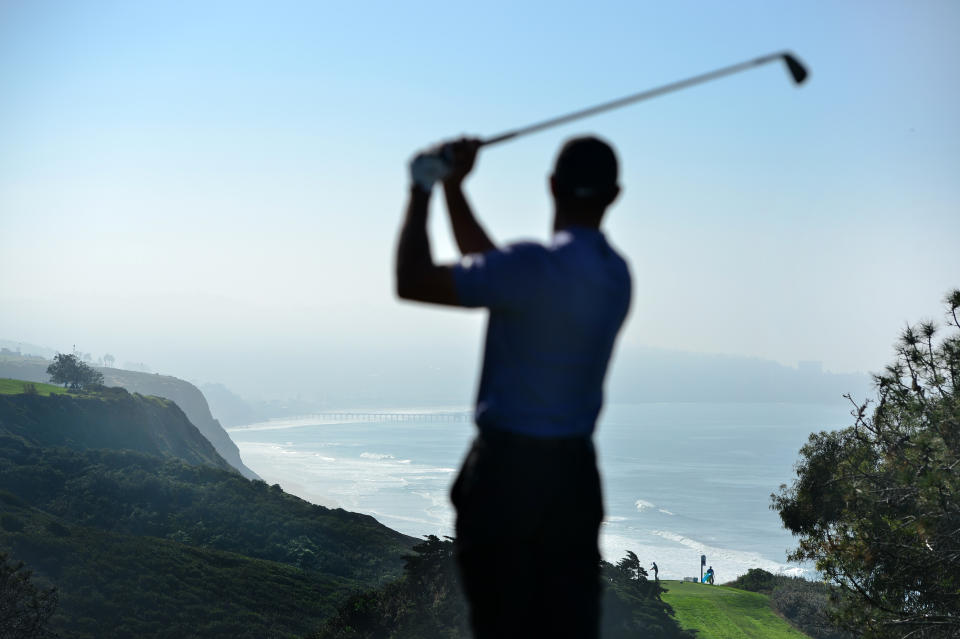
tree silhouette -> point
(72, 373)
(631, 567)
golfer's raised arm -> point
(470, 236)
(417, 277)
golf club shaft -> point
(637, 97)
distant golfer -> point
(528, 496)
(656, 572)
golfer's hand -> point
(429, 166)
(461, 155)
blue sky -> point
(206, 184)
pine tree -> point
(877, 505)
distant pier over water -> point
(359, 417)
(450, 416)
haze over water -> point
(223, 181)
(680, 479)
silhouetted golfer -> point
(528, 496)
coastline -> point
(680, 480)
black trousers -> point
(528, 516)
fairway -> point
(718, 612)
(15, 387)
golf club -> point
(797, 71)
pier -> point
(452, 416)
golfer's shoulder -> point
(521, 255)
(525, 248)
(506, 266)
(590, 251)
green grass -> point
(719, 612)
(15, 387)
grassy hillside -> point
(18, 386)
(720, 612)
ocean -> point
(679, 479)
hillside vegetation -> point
(187, 396)
(809, 605)
(163, 538)
(130, 493)
(427, 603)
(110, 418)
(721, 612)
(114, 586)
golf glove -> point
(428, 167)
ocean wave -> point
(331, 420)
(729, 561)
(435, 499)
(361, 482)
(376, 456)
(380, 515)
(643, 504)
(282, 424)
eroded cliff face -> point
(184, 394)
(190, 400)
(108, 419)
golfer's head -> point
(585, 175)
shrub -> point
(10, 523)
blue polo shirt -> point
(555, 311)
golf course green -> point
(719, 612)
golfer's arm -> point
(418, 278)
(470, 236)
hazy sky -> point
(214, 187)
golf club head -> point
(797, 71)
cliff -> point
(187, 396)
(111, 418)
